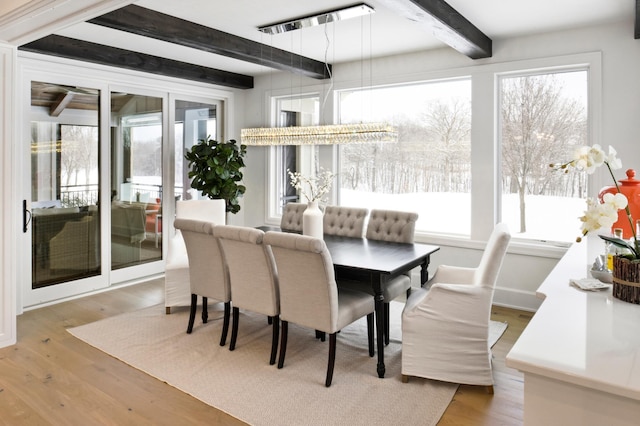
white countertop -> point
(584, 338)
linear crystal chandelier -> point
(326, 134)
(320, 135)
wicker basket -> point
(626, 279)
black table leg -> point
(379, 306)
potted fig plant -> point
(216, 170)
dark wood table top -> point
(376, 256)
(373, 255)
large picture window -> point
(543, 118)
(429, 166)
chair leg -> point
(370, 329)
(192, 313)
(225, 323)
(234, 328)
(269, 320)
(274, 338)
(405, 378)
(283, 343)
(167, 310)
(332, 359)
(321, 335)
(490, 389)
(205, 310)
(386, 323)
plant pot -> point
(626, 279)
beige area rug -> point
(244, 385)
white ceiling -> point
(384, 33)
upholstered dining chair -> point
(208, 274)
(393, 226)
(308, 293)
(253, 278)
(292, 217)
(344, 221)
(177, 291)
(445, 329)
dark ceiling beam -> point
(70, 48)
(446, 24)
(149, 23)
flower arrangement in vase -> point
(626, 269)
(313, 189)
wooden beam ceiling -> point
(446, 24)
(65, 47)
(149, 23)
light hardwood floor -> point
(51, 378)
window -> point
(291, 111)
(543, 117)
(429, 166)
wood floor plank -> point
(51, 378)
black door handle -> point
(26, 216)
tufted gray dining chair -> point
(253, 278)
(208, 274)
(344, 221)
(292, 217)
(393, 226)
(309, 295)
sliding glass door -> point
(136, 179)
(65, 184)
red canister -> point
(630, 187)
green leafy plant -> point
(216, 170)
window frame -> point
(485, 149)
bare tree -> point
(449, 124)
(539, 126)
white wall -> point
(616, 122)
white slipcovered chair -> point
(208, 273)
(344, 221)
(309, 295)
(176, 278)
(253, 279)
(393, 226)
(445, 329)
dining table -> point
(376, 262)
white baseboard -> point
(516, 299)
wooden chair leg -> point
(205, 310)
(225, 323)
(192, 313)
(283, 343)
(332, 359)
(489, 389)
(405, 378)
(167, 310)
(234, 328)
(370, 328)
(274, 339)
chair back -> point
(208, 275)
(252, 272)
(206, 210)
(344, 221)
(391, 225)
(488, 269)
(308, 291)
(292, 216)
